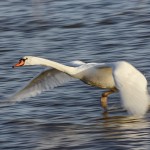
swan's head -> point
(26, 60)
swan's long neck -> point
(53, 64)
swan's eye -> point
(23, 59)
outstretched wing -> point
(46, 80)
(132, 86)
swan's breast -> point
(101, 78)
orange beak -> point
(20, 63)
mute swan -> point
(118, 76)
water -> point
(69, 117)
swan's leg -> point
(103, 100)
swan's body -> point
(131, 84)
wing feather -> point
(44, 81)
(132, 87)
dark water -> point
(69, 117)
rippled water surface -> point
(70, 117)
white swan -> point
(118, 76)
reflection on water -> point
(128, 132)
(111, 133)
(69, 117)
(115, 132)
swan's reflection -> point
(111, 133)
(128, 132)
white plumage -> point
(48, 79)
(121, 76)
(132, 87)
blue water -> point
(69, 117)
